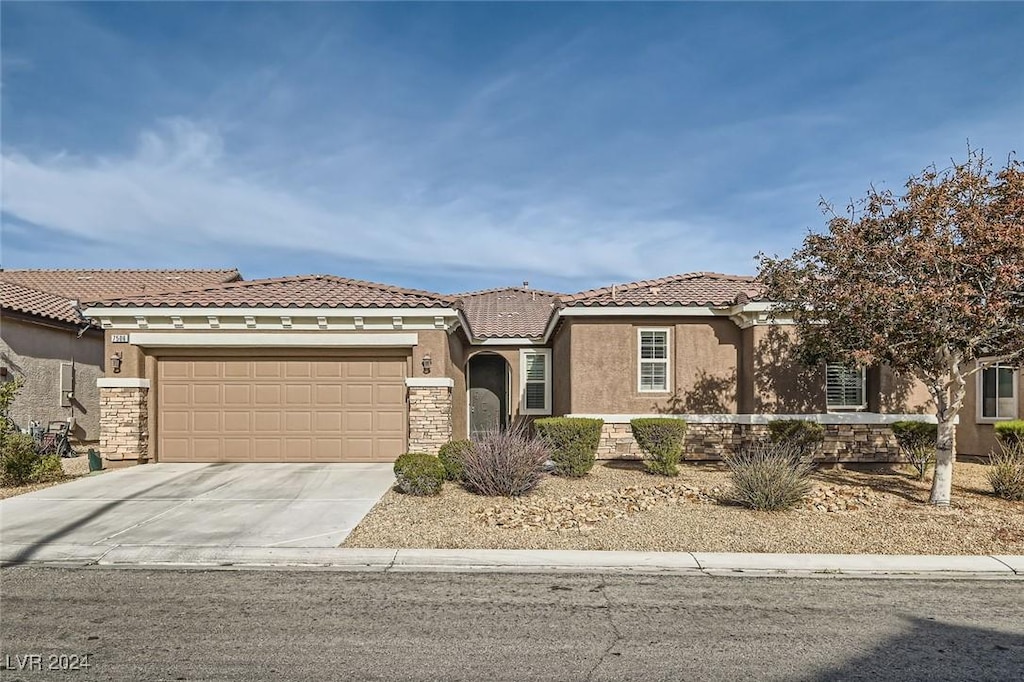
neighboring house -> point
(323, 368)
(55, 350)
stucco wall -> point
(561, 369)
(704, 359)
(35, 353)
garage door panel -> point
(358, 395)
(286, 409)
(328, 422)
(237, 394)
(206, 449)
(357, 422)
(359, 370)
(298, 422)
(358, 448)
(298, 449)
(267, 450)
(206, 394)
(390, 370)
(174, 394)
(237, 369)
(301, 370)
(267, 394)
(328, 395)
(390, 422)
(300, 394)
(210, 369)
(328, 449)
(206, 422)
(267, 370)
(389, 395)
(267, 422)
(237, 422)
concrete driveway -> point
(192, 505)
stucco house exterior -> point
(58, 352)
(325, 368)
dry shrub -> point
(504, 463)
(1006, 473)
(770, 476)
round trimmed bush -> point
(804, 436)
(18, 458)
(661, 440)
(417, 473)
(917, 443)
(452, 455)
(573, 442)
(1010, 433)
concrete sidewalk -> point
(524, 561)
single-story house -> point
(57, 351)
(324, 368)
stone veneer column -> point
(430, 414)
(124, 418)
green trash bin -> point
(95, 461)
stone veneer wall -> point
(709, 441)
(430, 418)
(124, 423)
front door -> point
(488, 408)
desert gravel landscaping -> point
(621, 507)
(74, 467)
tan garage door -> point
(280, 410)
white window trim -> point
(980, 397)
(523, 353)
(848, 408)
(640, 360)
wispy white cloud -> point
(178, 190)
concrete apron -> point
(198, 507)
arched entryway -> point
(488, 393)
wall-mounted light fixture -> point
(115, 362)
(426, 363)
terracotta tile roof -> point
(690, 289)
(93, 285)
(300, 291)
(14, 297)
(508, 312)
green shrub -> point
(573, 442)
(1011, 432)
(504, 463)
(419, 474)
(47, 469)
(1006, 472)
(804, 436)
(661, 440)
(917, 443)
(770, 476)
(451, 455)
(18, 458)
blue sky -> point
(462, 146)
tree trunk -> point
(945, 453)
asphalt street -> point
(331, 625)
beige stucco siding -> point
(704, 359)
(35, 352)
(561, 369)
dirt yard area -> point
(621, 507)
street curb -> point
(1001, 567)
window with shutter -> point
(997, 387)
(653, 361)
(845, 387)
(535, 369)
